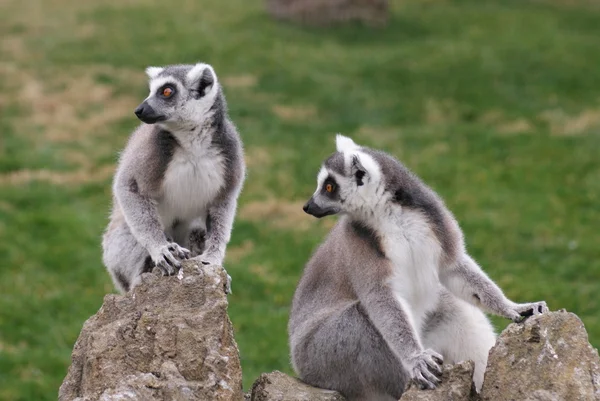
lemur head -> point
(180, 96)
(349, 181)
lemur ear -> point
(201, 78)
(344, 144)
(358, 170)
(153, 72)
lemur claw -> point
(523, 311)
(166, 258)
(427, 369)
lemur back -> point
(178, 179)
(391, 292)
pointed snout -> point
(147, 114)
(312, 208)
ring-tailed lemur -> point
(178, 179)
(392, 292)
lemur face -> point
(180, 95)
(349, 180)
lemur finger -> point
(163, 268)
(437, 357)
(423, 382)
(434, 366)
(431, 376)
(170, 258)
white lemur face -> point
(180, 95)
(349, 181)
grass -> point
(496, 104)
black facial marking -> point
(369, 235)
(122, 280)
(359, 177)
(335, 193)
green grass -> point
(496, 104)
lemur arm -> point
(466, 280)
(142, 219)
(395, 325)
(218, 227)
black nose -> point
(306, 207)
(147, 114)
(143, 109)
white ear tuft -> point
(198, 70)
(153, 72)
(344, 144)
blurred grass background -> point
(494, 103)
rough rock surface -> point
(168, 339)
(456, 385)
(325, 12)
(546, 358)
(277, 386)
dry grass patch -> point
(294, 113)
(257, 156)
(562, 124)
(277, 213)
(240, 81)
(79, 177)
(380, 137)
(236, 253)
(518, 126)
(441, 112)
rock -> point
(546, 358)
(168, 339)
(277, 386)
(326, 12)
(456, 385)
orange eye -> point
(167, 92)
(329, 188)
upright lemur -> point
(392, 292)
(176, 187)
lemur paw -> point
(521, 311)
(426, 369)
(211, 259)
(165, 257)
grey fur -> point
(350, 328)
(178, 180)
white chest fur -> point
(411, 245)
(193, 178)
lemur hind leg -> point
(346, 353)
(124, 258)
(460, 331)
